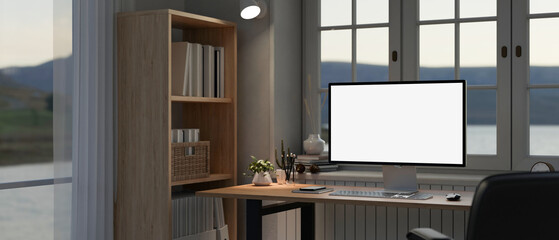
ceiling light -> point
(252, 9)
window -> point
(27, 166)
(26, 119)
(458, 40)
(503, 48)
(355, 40)
(535, 83)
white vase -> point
(313, 145)
(262, 179)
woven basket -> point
(185, 166)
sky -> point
(26, 32)
(478, 46)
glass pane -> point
(478, 8)
(544, 122)
(27, 213)
(544, 49)
(544, 6)
(26, 88)
(478, 49)
(324, 109)
(372, 54)
(482, 118)
(335, 57)
(436, 52)
(335, 12)
(372, 11)
(436, 9)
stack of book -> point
(197, 70)
(198, 218)
(185, 135)
(319, 160)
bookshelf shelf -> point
(147, 112)
(200, 99)
(212, 178)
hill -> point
(482, 102)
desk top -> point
(283, 193)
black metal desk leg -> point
(307, 221)
(254, 220)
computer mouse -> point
(453, 197)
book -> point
(327, 167)
(208, 70)
(311, 162)
(177, 136)
(197, 73)
(220, 69)
(216, 74)
(179, 68)
(312, 157)
(314, 192)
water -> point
(26, 213)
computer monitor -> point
(399, 125)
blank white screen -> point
(419, 123)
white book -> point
(200, 216)
(216, 217)
(188, 223)
(196, 133)
(191, 135)
(177, 135)
(174, 212)
(197, 70)
(191, 71)
(210, 214)
(208, 58)
(187, 90)
(179, 70)
(182, 216)
(221, 71)
(219, 209)
(187, 137)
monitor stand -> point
(399, 179)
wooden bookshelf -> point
(145, 115)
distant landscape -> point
(26, 102)
(26, 114)
(481, 103)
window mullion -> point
(457, 39)
(519, 82)
(409, 38)
(353, 41)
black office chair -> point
(510, 206)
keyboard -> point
(381, 194)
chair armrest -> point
(426, 234)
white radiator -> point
(338, 221)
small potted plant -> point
(261, 170)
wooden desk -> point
(255, 195)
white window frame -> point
(312, 48)
(521, 158)
(404, 35)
